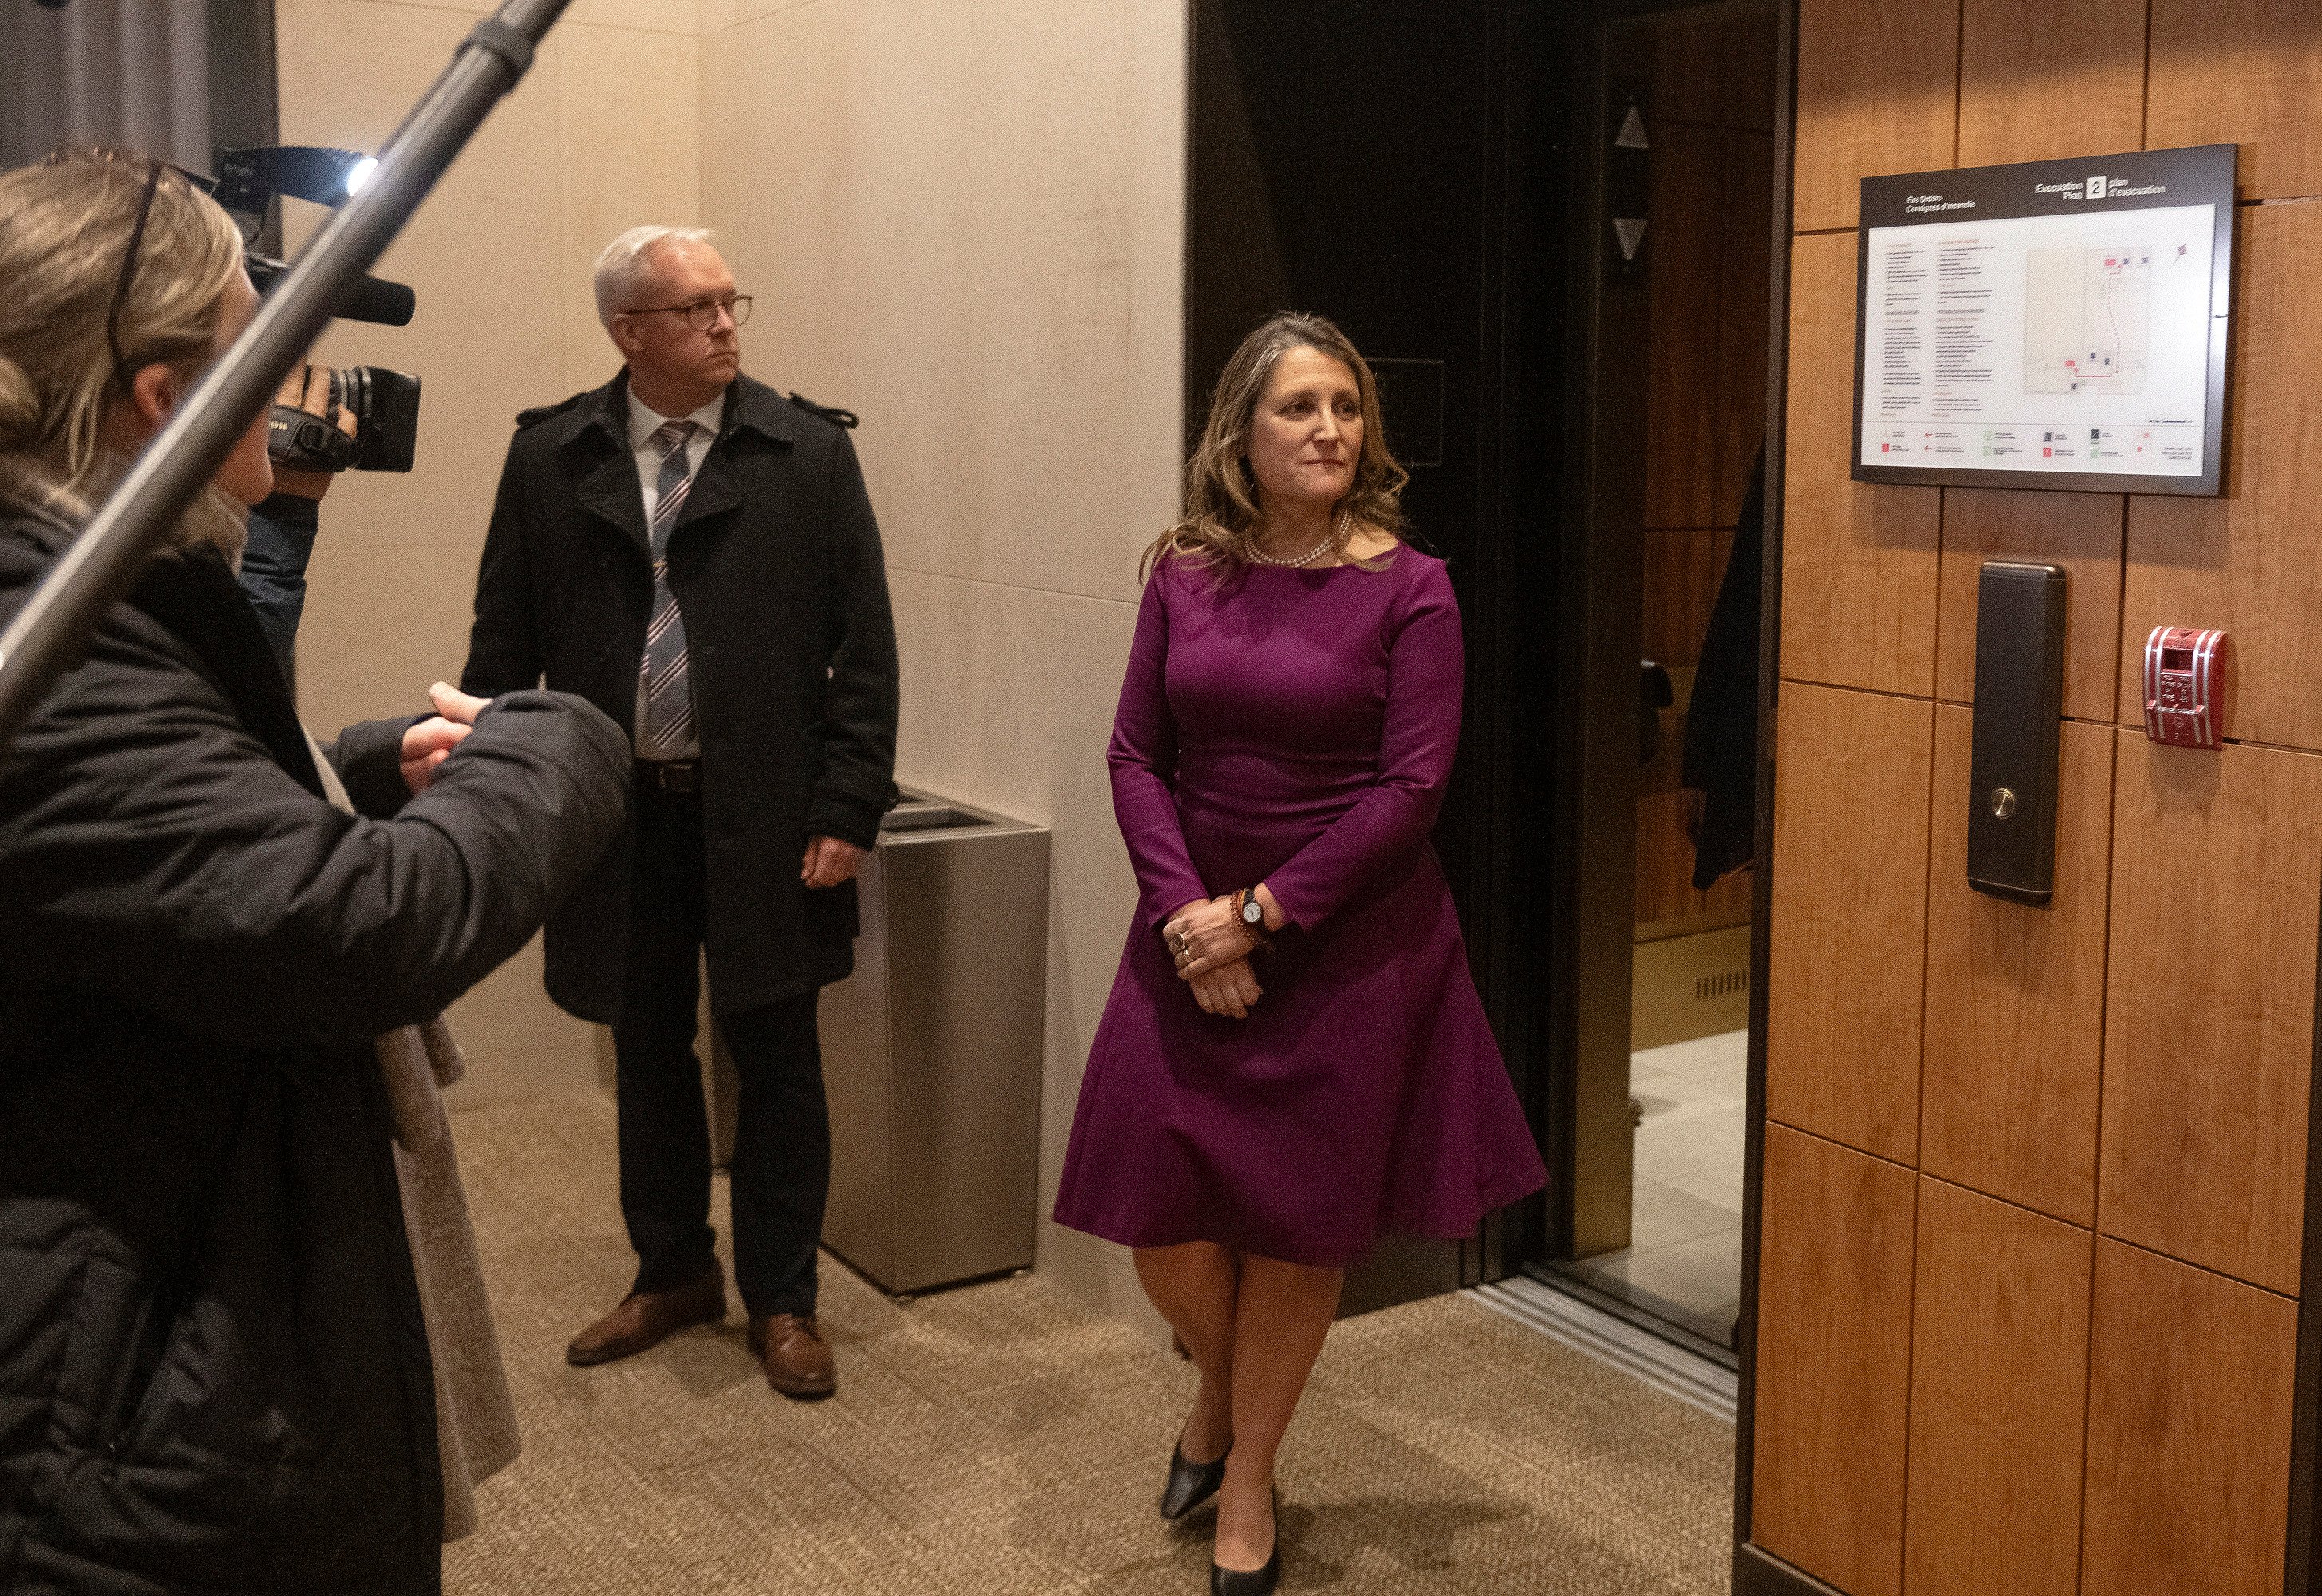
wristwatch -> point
(1251, 913)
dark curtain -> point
(173, 78)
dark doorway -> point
(1401, 170)
(1441, 178)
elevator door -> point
(1362, 162)
(1681, 240)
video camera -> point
(384, 404)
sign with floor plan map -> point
(2058, 323)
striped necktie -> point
(665, 726)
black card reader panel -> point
(2019, 705)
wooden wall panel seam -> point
(1793, 679)
(1998, 1447)
(1910, 1356)
(2083, 533)
(2052, 80)
(2104, 996)
(2209, 1019)
(1849, 998)
(2187, 1479)
(2088, 1353)
(1860, 574)
(2300, 1560)
(2144, 84)
(2213, 1273)
(1936, 654)
(1926, 944)
(2015, 994)
(1830, 1141)
(2119, 635)
(2137, 725)
(2077, 720)
(2009, 1202)
(1959, 84)
(1830, 1469)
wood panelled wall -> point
(2034, 1177)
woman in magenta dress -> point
(1293, 1061)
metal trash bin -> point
(932, 1051)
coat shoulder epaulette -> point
(540, 413)
(830, 412)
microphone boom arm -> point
(50, 633)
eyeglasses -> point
(121, 373)
(702, 314)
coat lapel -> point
(597, 423)
(750, 407)
(610, 492)
(713, 491)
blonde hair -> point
(1220, 514)
(65, 228)
(628, 258)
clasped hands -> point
(1212, 948)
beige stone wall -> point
(965, 223)
(602, 134)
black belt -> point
(680, 776)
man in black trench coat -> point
(695, 554)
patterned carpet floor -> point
(999, 1440)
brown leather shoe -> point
(797, 1359)
(647, 1318)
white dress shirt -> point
(644, 421)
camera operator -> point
(213, 1367)
(283, 526)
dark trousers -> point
(780, 1169)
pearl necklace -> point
(1331, 540)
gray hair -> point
(627, 258)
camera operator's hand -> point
(430, 743)
(308, 388)
(454, 706)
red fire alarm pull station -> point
(2185, 687)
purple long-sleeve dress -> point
(1295, 727)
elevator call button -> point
(2185, 686)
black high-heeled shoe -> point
(1191, 1483)
(1251, 1581)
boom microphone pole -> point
(50, 633)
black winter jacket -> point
(775, 561)
(214, 1375)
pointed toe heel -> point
(1190, 1483)
(1252, 1582)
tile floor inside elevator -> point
(1684, 1261)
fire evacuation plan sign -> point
(2060, 324)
